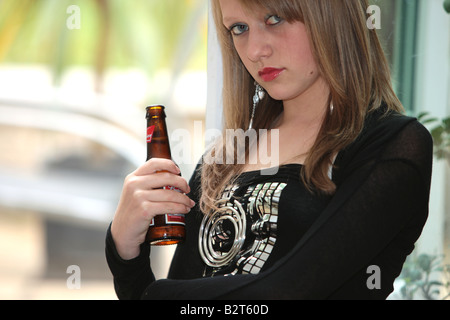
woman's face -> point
(276, 53)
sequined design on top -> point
(237, 238)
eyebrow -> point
(227, 20)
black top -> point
(272, 239)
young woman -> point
(344, 208)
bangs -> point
(286, 9)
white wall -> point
(432, 95)
(215, 81)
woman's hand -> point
(142, 199)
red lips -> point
(270, 74)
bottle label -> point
(150, 133)
(171, 218)
(175, 219)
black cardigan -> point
(374, 219)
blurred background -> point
(75, 78)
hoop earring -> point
(259, 95)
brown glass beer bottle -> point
(169, 228)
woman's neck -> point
(308, 109)
(296, 129)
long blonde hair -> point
(350, 59)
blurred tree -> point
(148, 34)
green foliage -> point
(440, 131)
(426, 276)
(419, 275)
(146, 34)
(447, 5)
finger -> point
(157, 181)
(150, 209)
(161, 208)
(166, 196)
(167, 180)
(157, 164)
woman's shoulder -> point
(387, 134)
(383, 127)
(392, 127)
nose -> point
(258, 45)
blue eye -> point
(238, 29)
(273, 20)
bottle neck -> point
(155, 112)
(157, 138)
